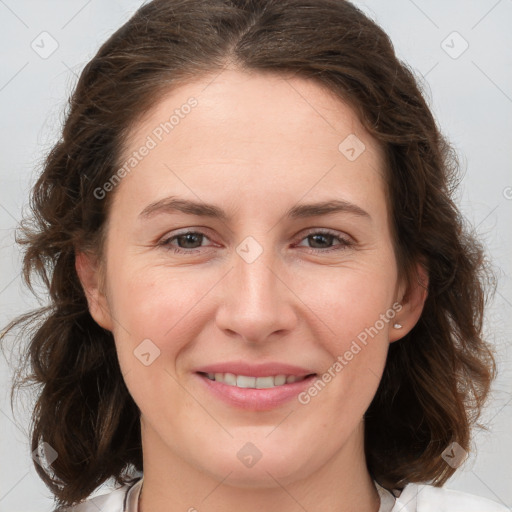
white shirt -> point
(413, 498)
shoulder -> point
(113, 501)
(427, 498)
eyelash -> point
(344, 242)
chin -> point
(250, 467)
(259, 476)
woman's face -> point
(265, 286)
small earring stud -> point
(397, 326)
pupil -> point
(316, 237)
(189, 238)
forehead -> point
(269, 130)
(257, 102)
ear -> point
(412, 300)
(89, 273)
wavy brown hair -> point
(436, 378)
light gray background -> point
(471, 96)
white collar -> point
(131, 502)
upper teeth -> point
(243, 381)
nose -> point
(257, 301)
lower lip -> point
(256, 399)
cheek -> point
(350, 299)
(153, 301)
(358, 308)
(157, 311)
(154, 320)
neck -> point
(171, 484)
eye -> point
(187, 242)
(324, 237)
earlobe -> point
(412, 302)
(88, 270)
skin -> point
(256, 144)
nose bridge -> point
(255, 280)
(255, 302)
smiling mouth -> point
(245, 381)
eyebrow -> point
(200, 209)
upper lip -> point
(255, 370)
